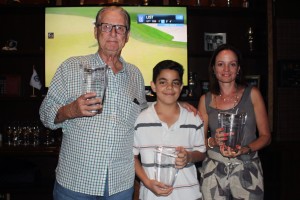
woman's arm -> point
(262, 122)
(203, 116)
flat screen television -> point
(157, 33)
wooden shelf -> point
(39, 150)
(21, 53)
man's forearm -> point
(63, 114)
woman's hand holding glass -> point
(229, 152)
(220, 137)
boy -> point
(165, 123)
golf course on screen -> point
(69, 31)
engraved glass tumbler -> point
(94, 79)
(165, 170)
(233, 125)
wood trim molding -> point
(270, 64)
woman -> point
(226, 173)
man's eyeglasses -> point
(105, 27)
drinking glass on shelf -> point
(48, 137)
(26, 134)
(229, 3)
(212, 4)
(35, 135)
(191, 84)
(9, 135)
(145, 2)
(16, 132)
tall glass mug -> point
(233, 124)
(165, 170)
(94, 79)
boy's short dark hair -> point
(167, 64)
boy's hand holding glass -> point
(159, 188)
(182, 158)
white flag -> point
(35, 80)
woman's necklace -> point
(228, 99)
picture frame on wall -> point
(253, 80)
(289, 73)
(213, 40)
(10, 85)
